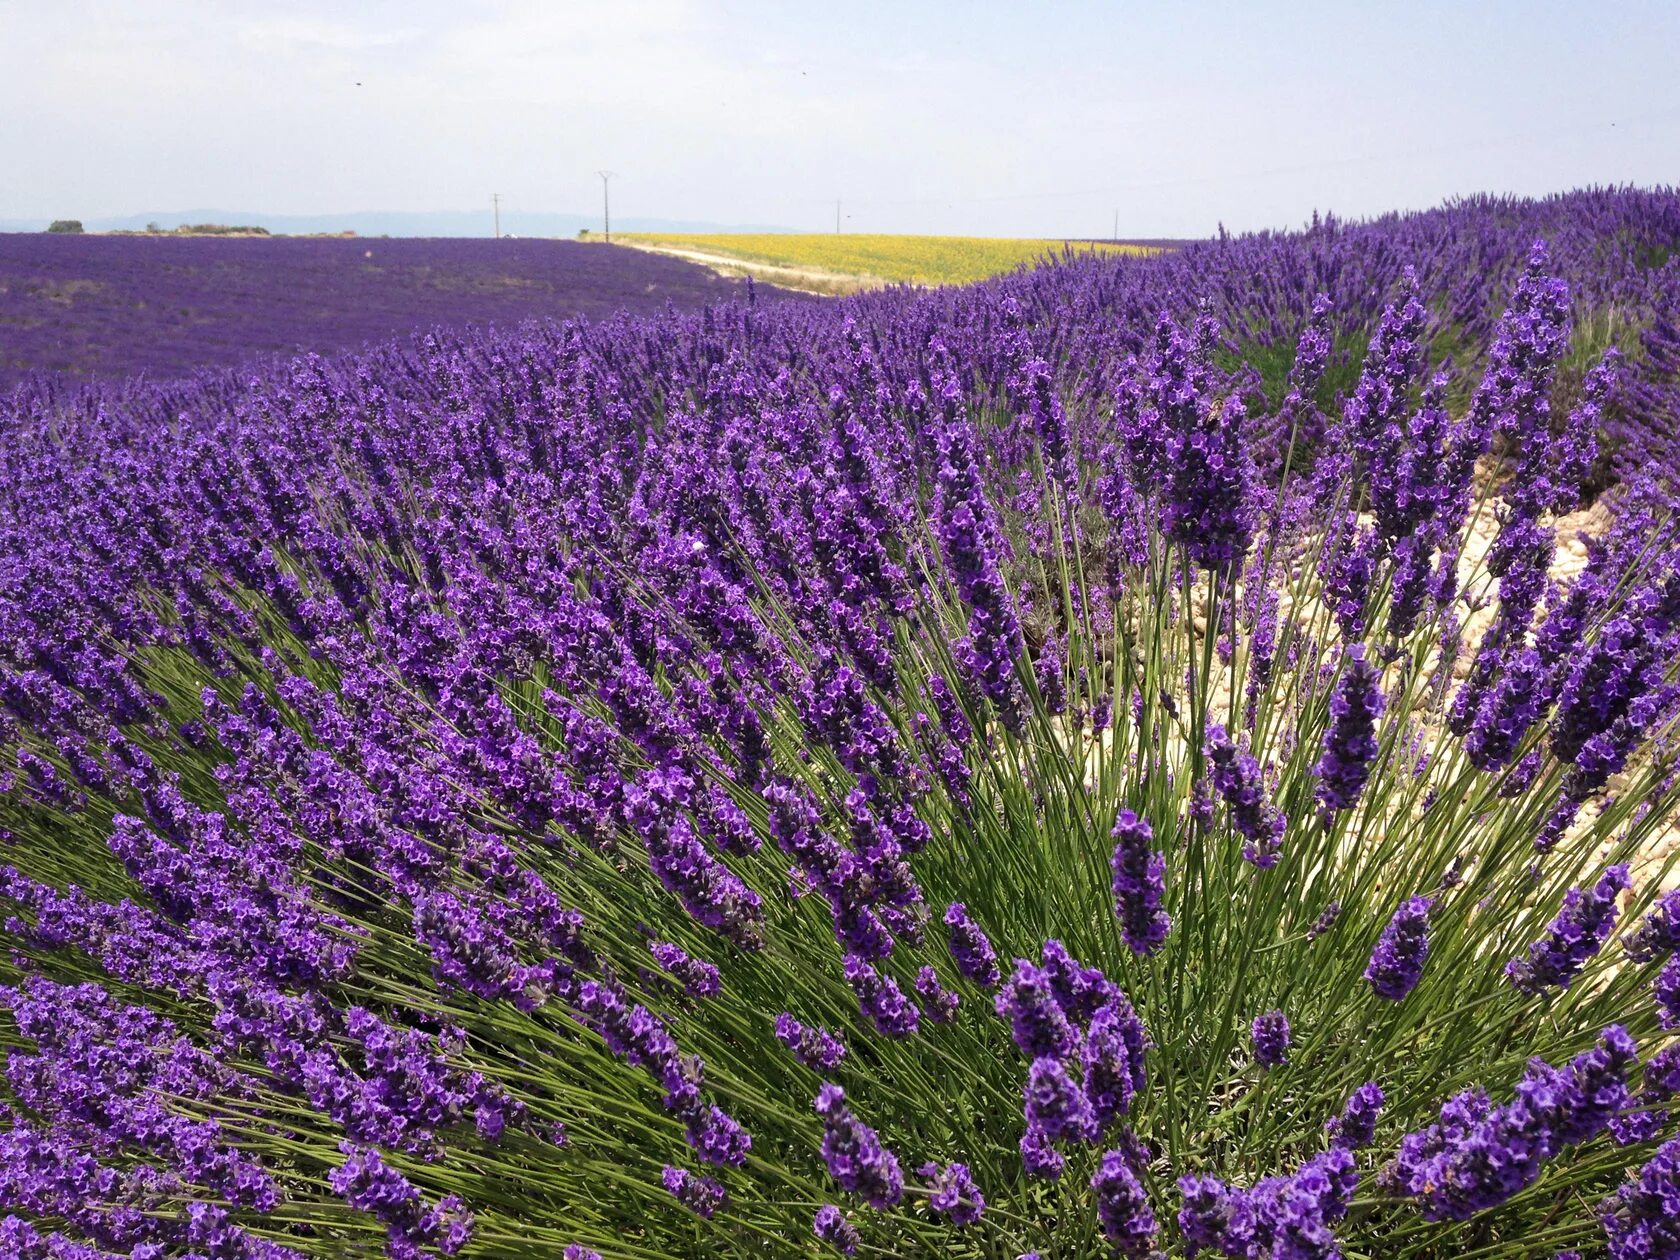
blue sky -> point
(1002, 119)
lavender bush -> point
(937, 774)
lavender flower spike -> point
(1350, 743)
(832, 1227)
(1237, 778)
(970, 948)
(1123, 1206)
(1357, 1125)
(1580, 928)
(1397, 962)
(1139, 874)
(854, 1154)
(1270, 1033)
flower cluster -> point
(479, 788)
(1139, 873)
(1581, 927)
(1289, 1215)
(1397, 961)
(1478, 1155)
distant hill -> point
(394, 223)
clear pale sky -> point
(964, 117)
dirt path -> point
(800, 279)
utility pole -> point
(496, 207)
(606, 208)
(1116, 236)
(837, 216)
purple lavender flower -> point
(699, 977)
(1079, 990)
(1281, 1216)
(1581, 927)
(1237, 778)
(1397, 961)
(854, 1154)
(1055, 1103)
(970, 948)
(577, 1251)
(955, 1195)
(1123, 1206)
(1139, 873)
(1666, 990)
(1659, 933)
(1350, 743)
(880, 998)
(1325, 921)
(1113, 1054)
(367, 1183)
(1028, 1002)
(1039, 1157)
(816, 1048)
(1357, 1125)
(1642, 1219)
(1270, 1034)
(969, 540)
(833, 1228)
(701, 1195)
(1208, 503)
(939, 1003)
(1477, 1155)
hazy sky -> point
(1015, 118)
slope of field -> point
(841, 263)
(106, 306)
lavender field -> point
(110, 306)
(1117, 760)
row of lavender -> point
(991, 772)
(107, 307)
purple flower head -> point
(701, 1195)
(1237, 777)
(1642, 1219)
(1113, 1055)
(1350, 743)
(955, 1195)
(1039, 1157)
(1397, 961)
(833, 1228)
(1659, 933)
(1581, 927)
(1139, 876)
(970, 948)
(1357, 1125)
(1270, 1034)
(1666, 991)
(1288, 1216)
(816, 1048)
(577, 1251)
(1079, 990)
(1325, 921)
(1123, 1206)
(854, 1154)
(1208, 505)
(1478, 1155)
(1028, 1002)
(880, 998)
(699, 978)
(938, 1002)
(1056, 1105)
(970, 540)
